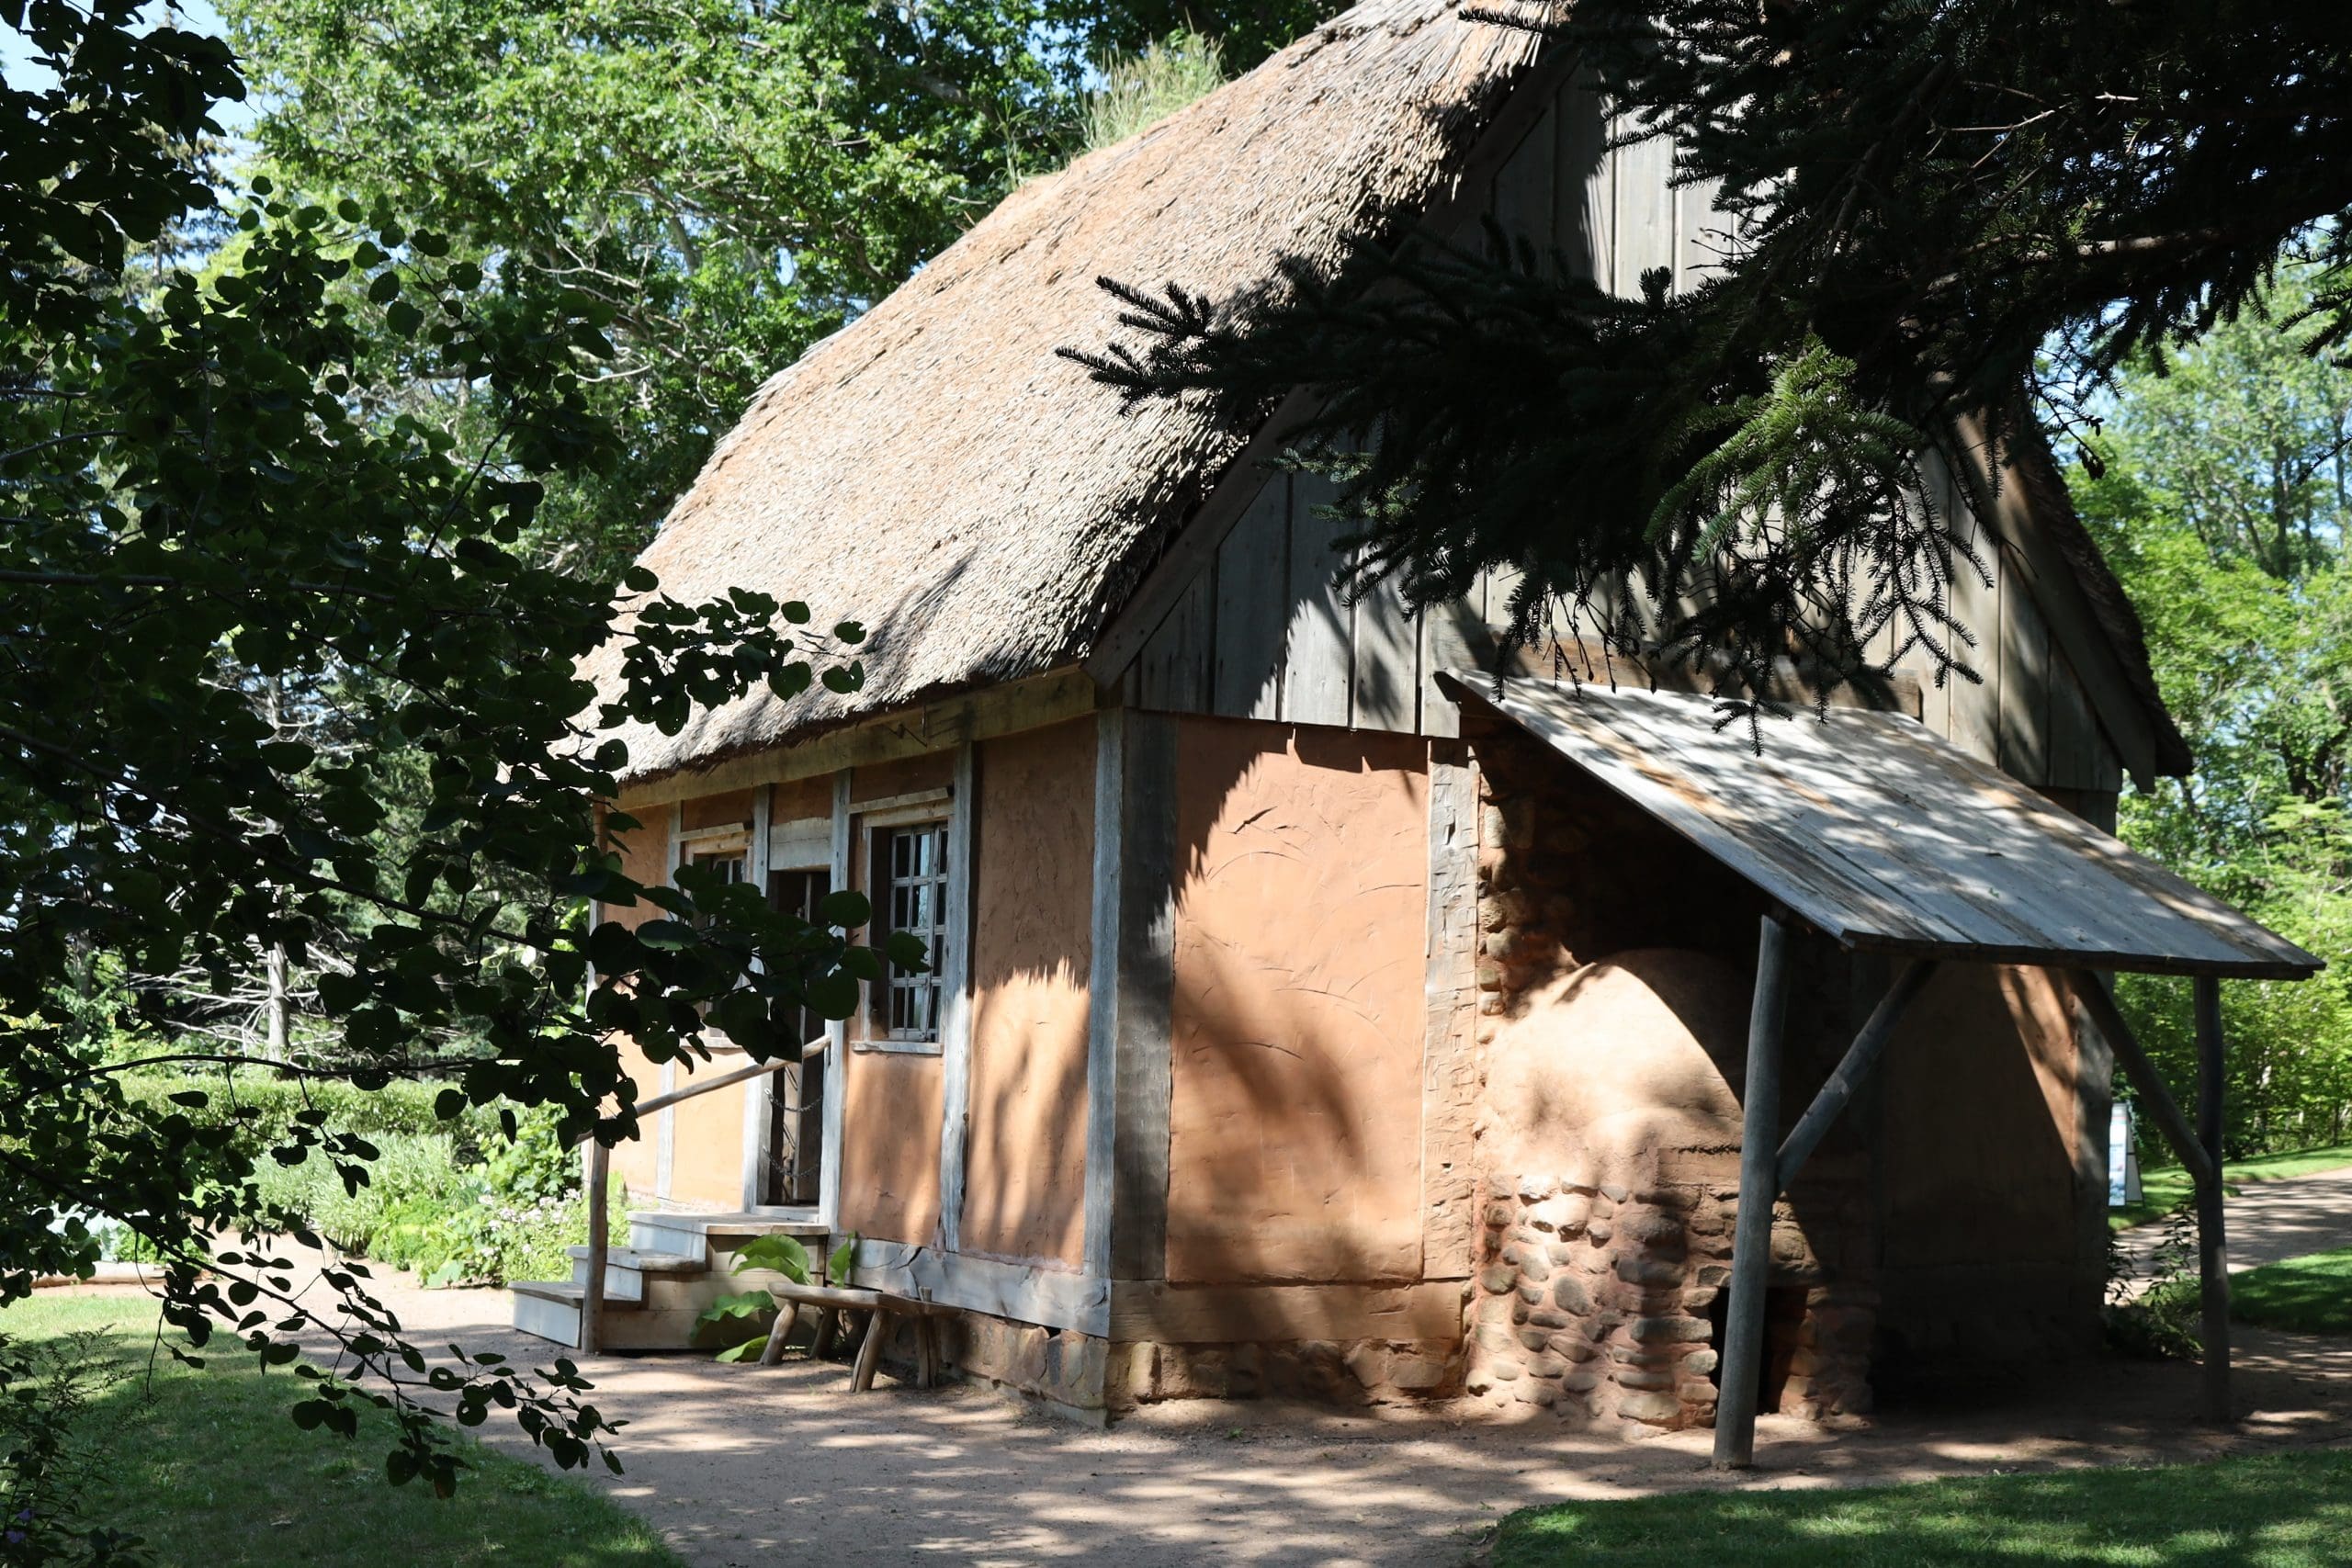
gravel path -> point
(2269, 1220)
(742, 1466)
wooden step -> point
(549, 1309)
(626, 1269)
(702, 1235)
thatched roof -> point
(983, 508)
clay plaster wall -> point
(1982, 1250)
(891, 1147)
(881, 780)
(1296, 1021)
(731, 809)
(1031, 946)
(707, 1139)
(798, 800)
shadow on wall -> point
(1297, 1013)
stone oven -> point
(1613, 1031)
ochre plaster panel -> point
(1025, 1164)
(707, 1146)
(731, 809)
(891, 1147)
(1294, 1124)
(801, 799)
(1978, 1140)
(881, 780)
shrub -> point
(267, 1104)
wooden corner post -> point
(2212, 1255)
(591, 1289)
(1751, 1256)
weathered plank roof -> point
(1881, 834)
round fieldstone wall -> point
(1609, 1127)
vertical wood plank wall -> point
(1262, 634)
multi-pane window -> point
(914, 887)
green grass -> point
(2303, 1295)
(206, 1466)
(2276, 1511)
(2161, 1191)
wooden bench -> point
(882, 1309)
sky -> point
(197, 16)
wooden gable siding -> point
(1260, 633)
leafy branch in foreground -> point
(204, 514)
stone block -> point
(1573, 1347)
(1646, 1379)
(1650, 1409)
(1642, 1270)
(1498, 1280)
(1534, 1338)
(1419, 1374)
(1570, 1294)
(1672, 1330)
(1564, 1215)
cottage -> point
(1314, 1015)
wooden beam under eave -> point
(932, 727)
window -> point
(911, 862)
(726, 863)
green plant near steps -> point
(784, 1255)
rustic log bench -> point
(881, 1307)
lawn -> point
(2162, 1191)
(206, 1466)
(2303, 1295)
(2276, 1511)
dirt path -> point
(743, 1466)
(2269, 1221)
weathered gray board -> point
(1258, 633)
(1883, 836)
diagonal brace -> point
(2154, 1096)
(1852, 1069)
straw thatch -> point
(936, 473)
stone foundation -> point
(1091, 1378)
(1598, 1302)
(1343, 1372)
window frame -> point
(884, 884)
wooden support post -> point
(1751, 1257)
(592, 1289)
(2212, 1256)
(1852, 1069)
